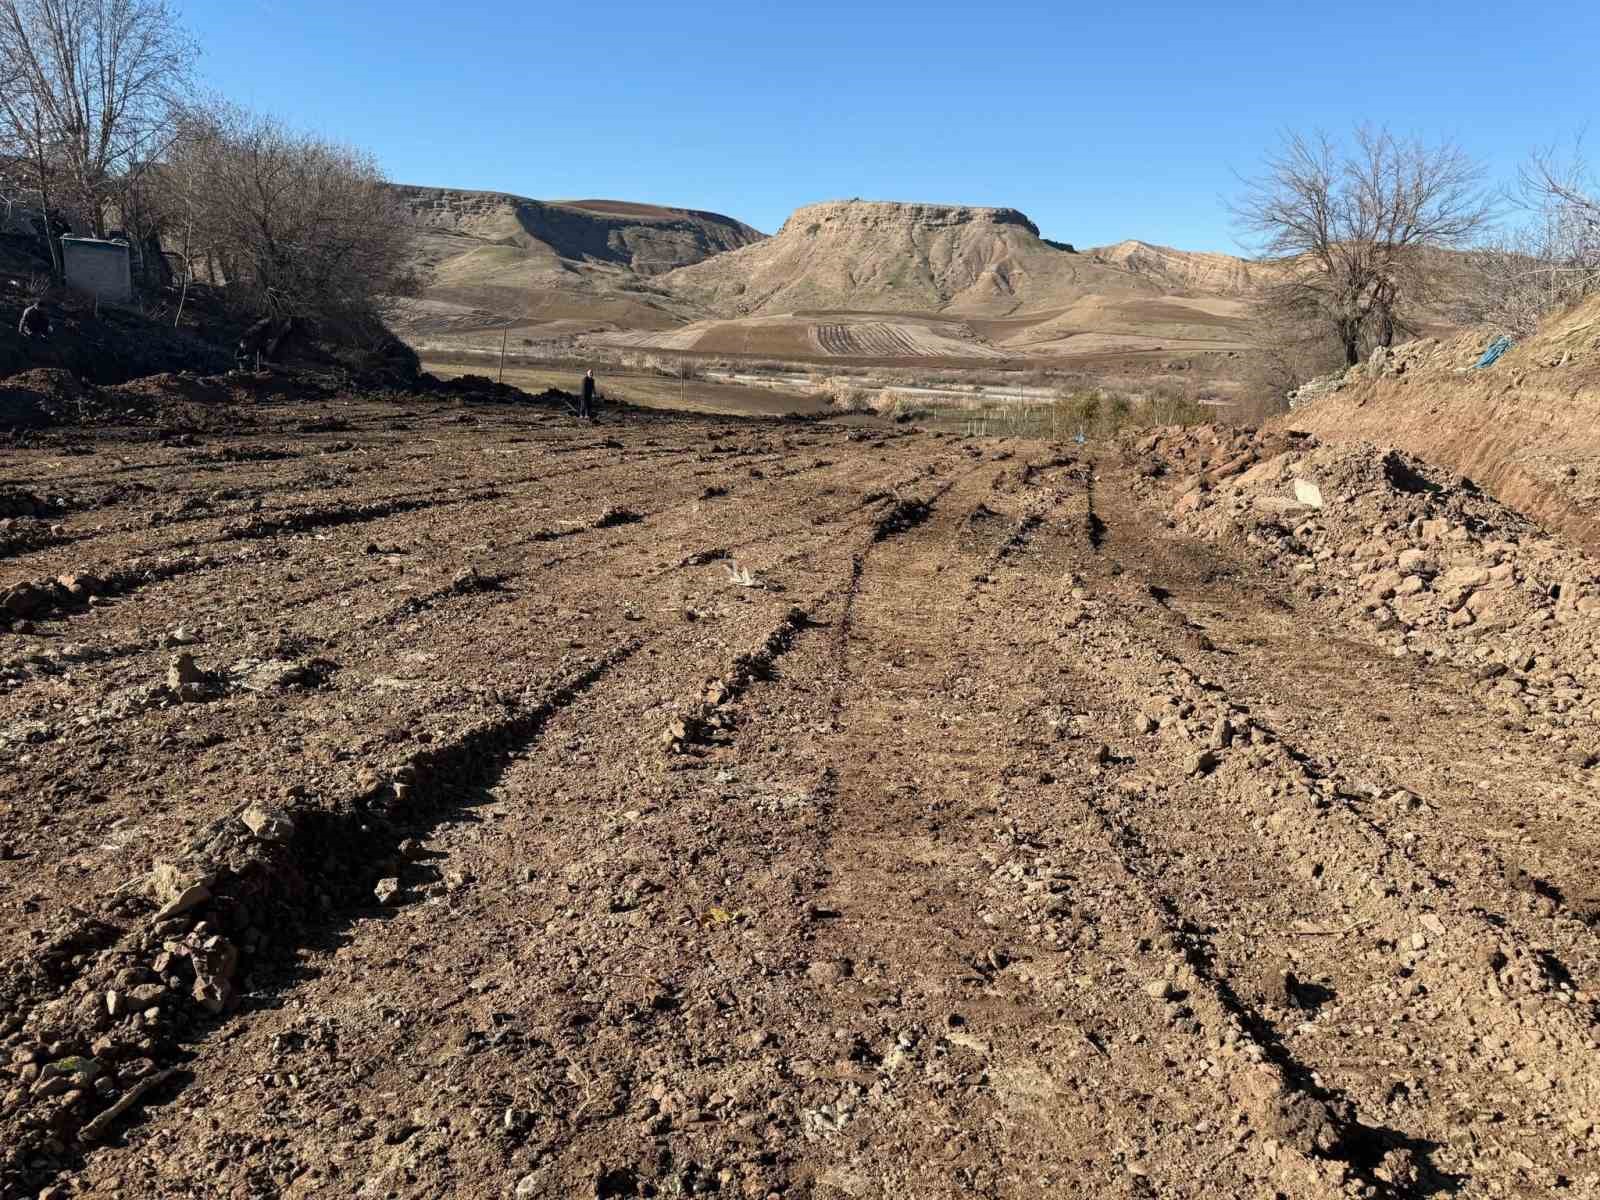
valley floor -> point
(697, 806)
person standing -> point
(586, 400)
(35, 322)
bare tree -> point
(293, 224)
(1549, 262)
(37, 168)
(1353, 230)
(92, 91)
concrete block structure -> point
(98, 268)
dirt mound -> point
(38, 398)
(1414, 555)
(1527, 428)
(48, 397)
(192, 389)
(480, 389)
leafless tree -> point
(1547, 263)
(1352, 230)
(91, 91)
(291, 223)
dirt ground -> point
(646, 390)
(403, 799)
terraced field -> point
(886, 339)
(409, 799)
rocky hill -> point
(859, 255)
(1181, 270)
(548, 268)
(647, 239)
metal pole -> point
(503, 334)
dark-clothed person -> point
(35, 323)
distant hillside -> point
(1182, 270)
(859, 255)
(870, 280)
(647, 239)
(559, 267)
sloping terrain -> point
(406, 798)
(1013, 294)
(1526, 428)
(550, 268)
(866, 256)
(647, 239)
(821, 336)
(1182, 270)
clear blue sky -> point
(1105, 122)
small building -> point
(98, 268)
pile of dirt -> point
(179, 401)
(50, 396)
(1527, 428)
(41, 397)
(108, 347)
(1418, 557)
(479, 389)
(26, 521)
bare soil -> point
(409, 799)
(1527, 427)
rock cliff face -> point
(646, 239)
(883, 215)
(863, 255)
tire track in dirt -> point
(887, 949)
(1337, 854)
(464, 618)
(249, 884)
(336, 516)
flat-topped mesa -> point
(882, 256)
(646, 238)
(813, 219)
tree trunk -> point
(56, 267)
(1350, 335)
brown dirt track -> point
(904, 901)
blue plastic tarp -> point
(1494, 350)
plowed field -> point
(691, 806)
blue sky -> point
(1100, 123)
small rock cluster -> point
(707, 713)
(81, 1059)
(21, 603)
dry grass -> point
(1091, 414)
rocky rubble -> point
(1417, 558)
(83, 1054)
(1455, 354)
